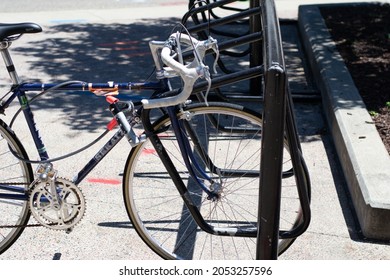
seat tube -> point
(9, 63)
(23, 100)
(41, 149)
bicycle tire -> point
(156, 209)
(14, 214)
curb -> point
(363, 156)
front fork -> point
(188, 156)
(182, 188)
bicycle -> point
(190, 183)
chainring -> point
(63, 214)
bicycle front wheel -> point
(15, 178)
(230, 140)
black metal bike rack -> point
(274, 114)
(236, 30)
(267, 76)
(278, 122)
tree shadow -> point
(361, 35)
(90, 52)
(93, 52)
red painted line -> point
(104, 181)
(125, 49)
(148, 151)
(119, 43)
(137, 54)
(164, 135)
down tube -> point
(99, 156)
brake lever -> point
(214, 46)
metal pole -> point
(255, 58)
(274, 115)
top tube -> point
(85, 86)
(96, 88)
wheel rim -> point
(163, 221)
(14, 213)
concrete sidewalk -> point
(289, 9)
(105, 233)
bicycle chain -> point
(18, 226)
(21, 226)
(49, 224)
(15, 183)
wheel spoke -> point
(15, 177)
(230, 137)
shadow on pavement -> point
(90, 53)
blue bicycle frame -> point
(20, 93)
(159, 86)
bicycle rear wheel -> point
(231, 135)
(15, 177)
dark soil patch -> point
(362, 35)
